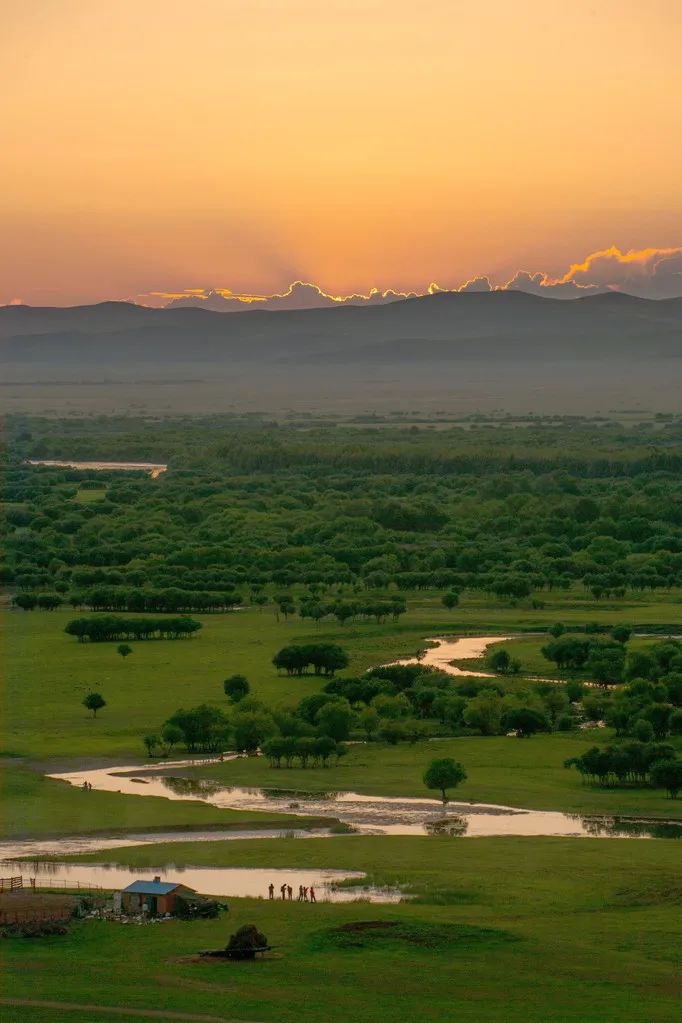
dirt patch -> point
(415, 934)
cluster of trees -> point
(249, 506)
(105, 628)
(406, 702)
(631, 763)
(323, 658)
(307, 749)
(608, 661)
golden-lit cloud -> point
(649, 273)
(656, 272)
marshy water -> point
(359, 813)
(239, 882)
(461, 648)
(363, 814)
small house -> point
(154, 898)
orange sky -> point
(161, 145)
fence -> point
(14, 884)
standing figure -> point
(283, 891)
(300, 893)
(271, 890)
(290, 892)
(312, 894)
(305, 894)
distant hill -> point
(441, 328)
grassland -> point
(569, 931)
(48, 673)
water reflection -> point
(231, 881)
(630, 827)
(376, 815)
(454, 827)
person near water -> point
(305, 894)
(300, 893)
(283, 891)
(312, 894)
(290, 892)
(271, 890)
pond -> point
(240, 882)
(370, 815)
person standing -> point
(271, 890)
(283, 892)
(300, 893)
(290, 892)
(312, 894)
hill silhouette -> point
(442, 328)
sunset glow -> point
(235, 146)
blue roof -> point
(152, 887)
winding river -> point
(361, 814)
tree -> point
(621, 633)
(26, 601)
(667, 774)
(368, 720)
(444, 774)
(525, 721)
(643, 730)
(450, 600)
(152, 743)
(171, 735)
(94, 702)
(557, 630)
(484, 713)
(252, 728)
(124, 650)
(335, 719)
(236, 687)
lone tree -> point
(450, 600)
(123, 649)
(236, 688)
(443, 775)
(94, 702)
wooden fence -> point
(15, 884)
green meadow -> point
(528, 930)
(47, 673)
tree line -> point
(107, 628)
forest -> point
(351, 517)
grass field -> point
(502, 930)
(48, 673)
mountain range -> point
(440, 328)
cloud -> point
(651, 273)
(476, 284)
(539, 283)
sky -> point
(160, 148)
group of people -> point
(87, 787)
(305, 893)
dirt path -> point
(115, 1010)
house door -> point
(151, 904)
